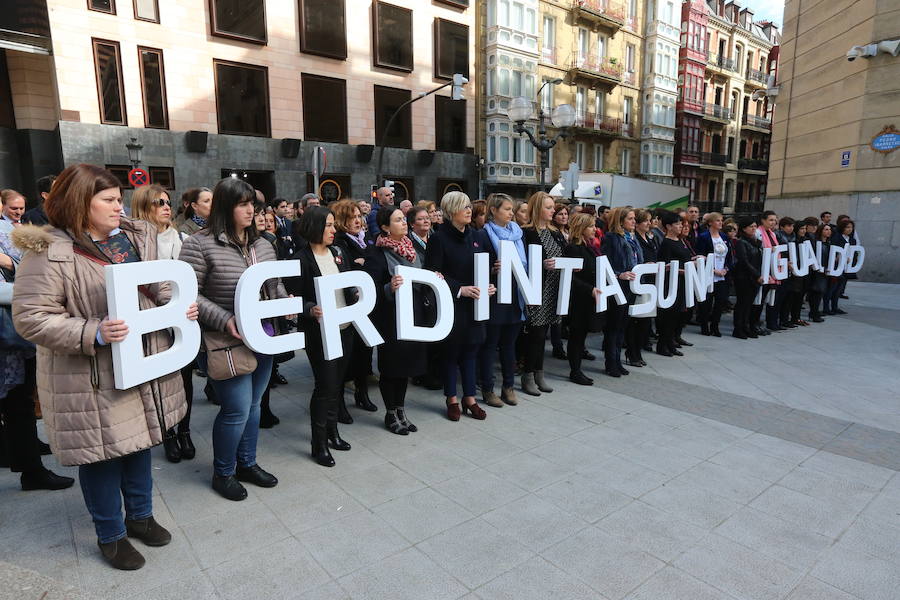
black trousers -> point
(743, 308)
(535, 337)
(20, 425)
(187, 379)
(393, 391)
(637, 333)
(329, 378)
(575, 344)
(667, 320)
(710, 312)
(614, 333)
(815, 304)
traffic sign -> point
(138, 177)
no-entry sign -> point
(138, 177)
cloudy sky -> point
(765, 10)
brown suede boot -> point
(121, 555)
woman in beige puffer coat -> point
(60, 305)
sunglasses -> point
(164, 202)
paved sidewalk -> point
(757, 470)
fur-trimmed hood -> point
(33, 238)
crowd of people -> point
(54, 292)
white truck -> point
(607, 189)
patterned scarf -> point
(402, 247)
(199, 221)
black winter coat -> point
(582, 306)
(305, 287)
(351, 250)
(451, 252)
(748, 260)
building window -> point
(164, 176)
(387, 101)
(548, 47)
(625, 158)
(153, 86)
(146, 10)
(450, 122)
(627, 109)
(7, 112)
(579, 155)
(239, 19)
(242, 98)
(629, 58)
(105, 6)
(324, 108)
(393, 36)
(451, 49)
(598, 158)
(323, 29)
(547, 96)
(111, 91)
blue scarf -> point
(635, 248)
(199, 221)
(513, 233)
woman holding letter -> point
(623, 250)
(583, 315)
(747, 277)
(451, 252)
(60, 305)
(672, 248)
(713, 241)
(219, 255)
(398, 360)
(320, 258)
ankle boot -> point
(335, 438)
(320, 452)
(170, 443)
(148, 531)
(540, 383)
(401, 414)
(343, 415)
(508, 395)
(361, 396)
(267, 419)
(121, 555)
(714, 330)
(277, 377)
(188, 451)
(528, 385)
(491, 399)
(44, 479)
(393, 424)
(705, 329)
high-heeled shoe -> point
(320, 452)
(188, 451)
(343, 414)
(476, 411)
(170, 444)
(361, 397)
(454, 412)
(401, 414)
(393, 424)
(334, 438)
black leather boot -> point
(343, 415)
(229, 487)
(335, 438)
(44, 479)
(170, 443)
(188, 451)
(361, 395)
(320, 452)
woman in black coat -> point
(319, 257)
(398, 360)
(622, 249)
(583, 315)
(451, 252)
(419, 226)
(351, 240)
(747, 277)
(672, 248)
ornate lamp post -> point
(563, 117)
(135, 150)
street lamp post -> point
(134, 152)
(563, 117)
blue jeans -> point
(105, 483)
(504, 336)
(458, 357)
(236, 427)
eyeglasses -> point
(164, 202)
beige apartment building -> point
(834, 144)
(214, 87)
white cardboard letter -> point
(808, 258)
(765, 270)
(645, 292)
(566, 266)
(130, 366)
(357, 313)
(837, 258)
(856, 256)
(666, 300)
(249, 310)
(795, 257)
(608, 284)
(779, 262)
(406, 327)
(511, 266)
(694, 282)
(482, 280)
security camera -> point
(891, 47)
(866, 51)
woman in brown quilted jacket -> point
(59, 304)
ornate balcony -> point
(757, 78)
(713, 159)
(753, 164)
(599, 124)
(548, 56)
(720, 63)
(717, 113)
(713, 206)
(608, 13)
(761, 124)
(607, 70)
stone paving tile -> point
(698, 506)
(861, 575)
(776, 447)
(434, 465)
(875, 537)
(480, 491)
(379, 484)
(422, 514)
(652, 530)
(821, 515)
(673, 584)
(570, 454)
(746, 459)
(608, 564)
(723, 481)
(409, 575)
(353, 543)
(534, 523)
(281, 570)
(303, 504)
(625, 476)
(822, 485)
(848, 468)
(537, 579)
(528, 471)
(584, 497)
(475, 552)
(730, 566)
(813, 589)
(885, 508)
(782, 540)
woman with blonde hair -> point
(583, 317)
(624, 252)
(542, 232)
(151, 203)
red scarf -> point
(403, 247)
